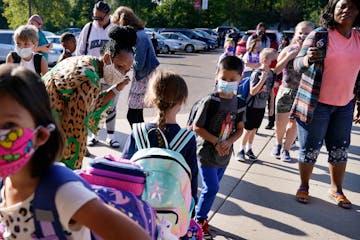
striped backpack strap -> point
(140, 135)
(181, 139)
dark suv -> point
(211, 43)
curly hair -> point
(166, 89)
(125, 16)
(326, 19)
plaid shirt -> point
(309, 89)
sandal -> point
(302, 195)
(340, 199)
(114, 143)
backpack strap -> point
(37, 62)
(16, 58)
(181, 139)
(46, 217)
(87, 39)
(141, 136)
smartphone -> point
(321, 39)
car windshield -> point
(158, 36)
(183, 36)
(6, 38)
(203, 33)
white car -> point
(6, 43)
(189, 45)
(170, 45)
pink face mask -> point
(16, 149)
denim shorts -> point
(284, 99)
(330, 123)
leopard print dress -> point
(76, 99)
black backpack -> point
(212, 109)
(37, 61)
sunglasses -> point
(100, 19)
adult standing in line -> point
(76, 95)
(145, 62)
(286, 127)
(43, 46)
(92, 38)
(261, 34)
(324, 104)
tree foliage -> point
(245, 14)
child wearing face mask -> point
(217, 130)
(167, 92)
(261, 87)
(229, 49)
(30, 143)
(26, 39)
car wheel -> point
(166, 49)
(189, 48)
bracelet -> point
(217, 142)
(115, 90)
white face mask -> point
(24, 52)
(112, 75)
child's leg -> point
(211, 177)
(252, 136)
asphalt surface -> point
(256, 199)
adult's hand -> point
(314, 54)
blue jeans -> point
(330, 123)
(211, 177)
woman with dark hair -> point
(145, 62)
(324, 104)
(75, 90)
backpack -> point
(87, 39)
(168, 187)
(37, 61)
(46, 218)
(120, 174)
(212, 108)
(244, 89)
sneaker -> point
(92, 142)
(205, 228)
(250, 154)
(113, 143)
(269, 126)
(241, 156)
(276, 151)
(285, 156)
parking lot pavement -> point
(256, 200)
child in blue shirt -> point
(217, 130)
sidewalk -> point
(256, 201)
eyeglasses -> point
(100, 19)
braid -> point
(162, 120)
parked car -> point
(190, 45)
(53, 39)
(54, 54)
(211, 44)
(207, 35)
(170, 45)
(288, 33)
(6, 43)
(75, 31)
(48, 33)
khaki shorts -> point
(284, 99)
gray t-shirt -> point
(221, 122)
(262, 96)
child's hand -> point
(225, 145)
(220, 150)
(264, 75)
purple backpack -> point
(46, 218)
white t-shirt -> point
(28, 64)
(98, 37)
(70, 197)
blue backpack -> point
(244, 89)
(46, 217)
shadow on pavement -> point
(216, 232)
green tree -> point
(55, 13)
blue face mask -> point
(230, 49)
(227, 87)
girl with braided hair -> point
(167, 92)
